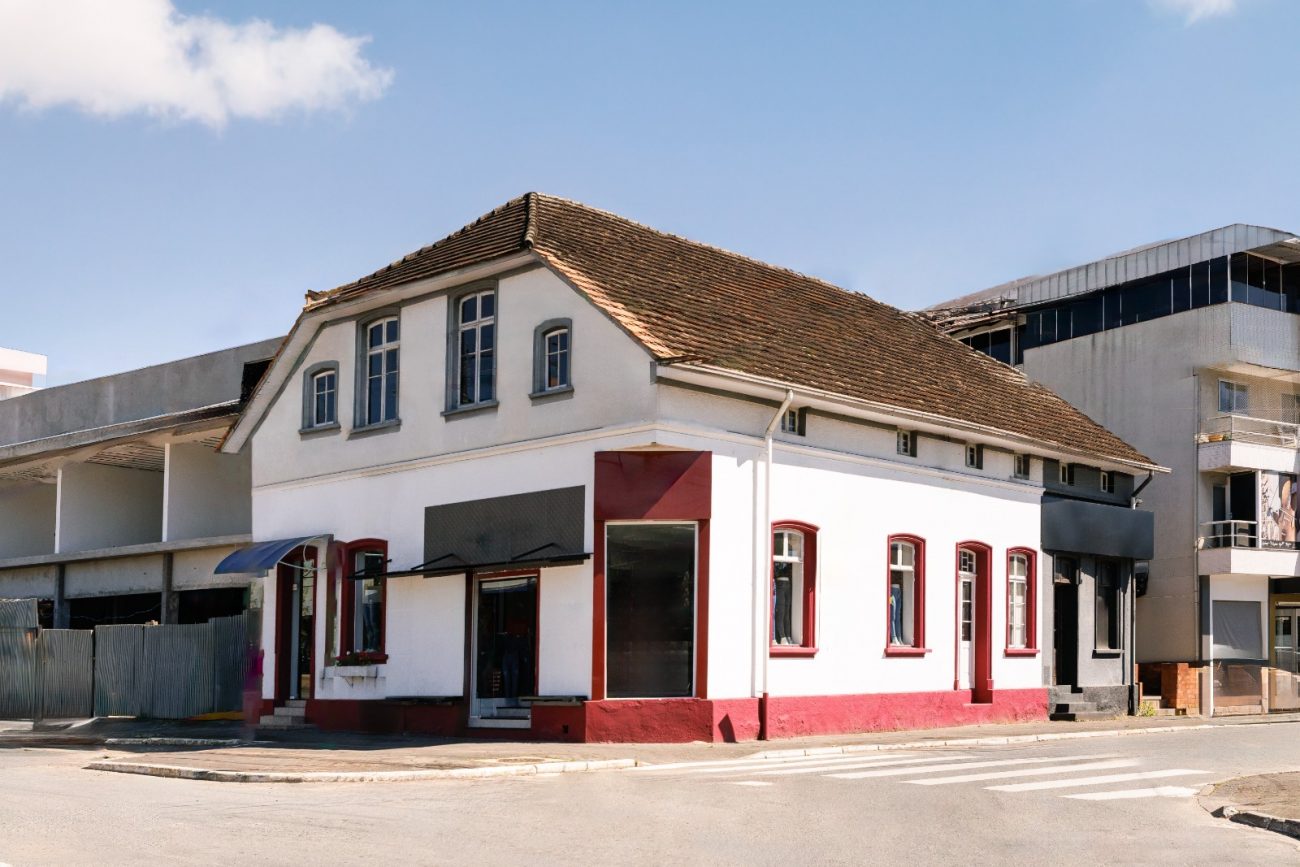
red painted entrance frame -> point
(982, 670)
(283, 595)
(657, 486)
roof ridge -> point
(723, 250)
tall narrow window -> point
(557, 359)
(1022, 467)
(905, 598)
(382, 351)
(324, 387)
(1021, 602)
(362, 622)
(1107, 610)
(476, 365)
(1106, 482)
(794, 585)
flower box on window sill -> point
(791, 650)
(355, 671)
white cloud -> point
(1195, 10)
(143, 56)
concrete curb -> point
(1289, 827)
(182, 773)
(54, 741)
(976, 742)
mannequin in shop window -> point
(783, 599)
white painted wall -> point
(107, 507)
(206, 493)
(27, 528)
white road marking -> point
(752, 783)
(822, 764)
(1095, 781)
(786, 761)
(957, 766)
(1156, 792)
(857, 765)
(1027, 772)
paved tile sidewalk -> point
(336, 753)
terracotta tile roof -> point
(683, 299)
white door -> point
(965, 627)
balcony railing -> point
(1240, 534)
(1250, 429)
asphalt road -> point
(1105, 800)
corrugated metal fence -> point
(164, 672)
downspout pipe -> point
(762, 582)
(1134, 699)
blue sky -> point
(914, 151)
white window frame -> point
(1018, 610)
(330, 393)
(906, 444)
(1066, 473)
(1238, 397)
(385, 412)
(478, 326)
(974, 456)
(1021, 466)
(783, 554)
(1106, 482)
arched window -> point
(324, 398)
(1022, 602)
(476, 372)
(794, 588)
(905, 597)
(557, 359)
(552, 359)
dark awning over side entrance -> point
(263, 555)
(1080, 527)
(518, 531)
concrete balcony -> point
(1234, 548)
(1227, 443)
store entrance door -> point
(1065, 623)
(295, 625)
(966, 632)
(1286, 658)
(505, 651)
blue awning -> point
(263, 555)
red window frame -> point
(917, 647)
(809, 645)
(346, 609)
(1031, 602)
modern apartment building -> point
(20, 372)
(1190, 350)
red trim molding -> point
(347, 604)
(808, 647)
(652, 485)
(1031, 603)
(917, 647)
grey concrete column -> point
(62, 614)
(171, 602)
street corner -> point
(1269, 802)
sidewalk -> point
(313, 756)
(1268, 801)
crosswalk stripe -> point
(875, 764)
(957, 766)
(786, 760)
(822, 764)
(1026, 772)
(1155, 792)
(748, 783)
(1094, 781)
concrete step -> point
(1076, 707)
(296, 702)
(271, 721)
(291, 712)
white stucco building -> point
(20, 372)
(1190, 350)
(565, 474)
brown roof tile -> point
(681, 299)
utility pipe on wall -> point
(762, 581)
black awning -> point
(519, 531)
(262, 556)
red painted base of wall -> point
(681, 720)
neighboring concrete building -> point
(20, 372)
(115, 504)
(632, 487)
(1190, 349)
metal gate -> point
(45, 673)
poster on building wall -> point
(1278, 502)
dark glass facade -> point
(1242, 277)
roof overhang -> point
(309, 322)
(707, 376)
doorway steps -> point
(291, 715)
(1072, 707)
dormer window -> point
(1106, 481)
(1021, 470)
(974, 456)
(1067, 474)
(907, 443)
(793, 422)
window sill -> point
(1106, 653)
(551, 394)
(471, 409)
(791, 650)
(381, 427)
(1021, 651)
(320, 429)
(370, 671)
(902, 650)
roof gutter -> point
(888, 414)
